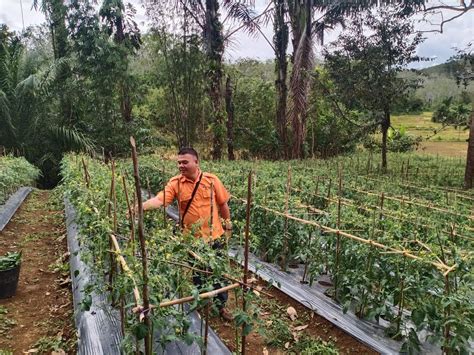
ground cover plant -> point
(14, 173)
(398, 249)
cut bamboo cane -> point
(201, 296)
(406, 253)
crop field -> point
(397, 248)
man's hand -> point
(227, 229)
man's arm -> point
(152, 203)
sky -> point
(437, 46)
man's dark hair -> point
(188, 150)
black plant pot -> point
(9, 282)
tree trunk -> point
(229, 106)
(469, 173)
(214, 41)
(125, 102)
(56, 14)
(281, 68)
(385, 126)
(301, 22)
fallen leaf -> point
(292, 313)
(58, 352)
(252, 280)
(296, 336)
(265, 351)
(287, 345)
(269, 322)
(259, 288)
(256, 292)
(31, 351)
(301, 327)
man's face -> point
(187, 165)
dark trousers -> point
(199, 279)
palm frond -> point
(73, 139)
(5, 117)
(243, 13)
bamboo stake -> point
(126, 269)
(141, 236)
(202, 296)
(406, 253)
(246, 253)
(406, 218)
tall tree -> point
(207, 15)
(126, 35)
(280, 42)
(365, 64)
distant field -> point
(421, 125)
(448, 142)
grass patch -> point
(421, 125)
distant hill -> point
(439, 82)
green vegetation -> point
(398, 211)
(10, 260)
(14, 173)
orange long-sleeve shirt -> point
(197, 218)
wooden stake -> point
(246, 255)
(86, 173)
(141, 236)
(130, 216)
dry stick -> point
(202, 296)
(381, 205)
(86, 173)
(130, 216)
(112, 201)
(447, 291)
(457, 192)
(284, 261)
(338, 238)
(246, 254)
(227, 276)
(164, 199)
(348, 202)
(403, 201)
(407, 253)
(141, 236)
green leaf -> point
(418, 316)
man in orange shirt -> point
(195, 191)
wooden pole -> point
(246, 255)
(130, 215)
(141, 236)
(284, 261)
(86, 173)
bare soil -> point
(39, 318)
(273, 308)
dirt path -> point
(39, 318)
(277, 334)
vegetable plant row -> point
(397, 246)
(14, 173)
(101, 195)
